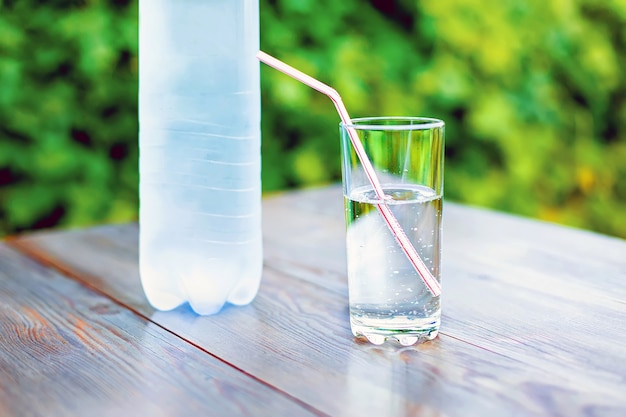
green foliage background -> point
(533, 94)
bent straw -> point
(393, 224)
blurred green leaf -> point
(533, 95)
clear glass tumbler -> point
(388, 299)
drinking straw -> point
(394, 226)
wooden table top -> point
(533, 323)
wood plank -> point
(515, 286)
(504, 349)
(65, 350)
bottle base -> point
(163, 301)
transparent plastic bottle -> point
(199, 147)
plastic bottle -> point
(199, 147)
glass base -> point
(403, 331)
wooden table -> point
(534, 323)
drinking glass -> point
(388, 299)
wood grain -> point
(533, 315)
(515, 286)
(67, 351)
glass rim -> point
(399, 123)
